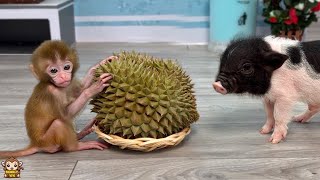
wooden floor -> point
(224, 143)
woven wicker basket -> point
(144, 144)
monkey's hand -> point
(99, 85)
(88, 79)
(87, 129)
(106, 60)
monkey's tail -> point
(23, 152)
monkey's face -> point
(60, 73)
(12, 165)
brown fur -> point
(51, 109)
(40, 103)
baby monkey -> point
(57, 99)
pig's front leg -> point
(306, 116)
(268, 126)
(282, 116)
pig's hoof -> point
(301, 118)
(277, 136)
(266, 129)
(275, 140)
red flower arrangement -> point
(293, 18)
(316, 8)
(286, 15)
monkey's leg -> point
(58, 135)
(62, 134)
(306, 116)
(268, 126)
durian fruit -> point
(147, 97)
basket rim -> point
(143, 144)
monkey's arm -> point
(87, 80)
(76, 106)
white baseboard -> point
(142, 34)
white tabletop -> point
(43, 4)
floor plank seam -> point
(73, 169)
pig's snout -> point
(219, 88)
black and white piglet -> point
(281, 71)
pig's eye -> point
(247, 69)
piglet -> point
(279, 70)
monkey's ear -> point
(274, 60)
(33, 71)
(2, 163)
(20, 163)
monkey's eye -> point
(247, 69)
(53, 70)
(15, 165)
(67, 66)
(8, 165)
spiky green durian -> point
(147, 97)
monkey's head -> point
(54, 62)
(11, 164)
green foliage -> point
(286, 15)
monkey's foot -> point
(278, 134)
(91, 145)
(302, 118)
(266, 129)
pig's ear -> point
(273, 60)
